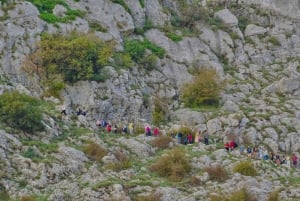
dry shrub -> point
(194, 181)
(241, 195)
(162, 142)
(273, 196)
(122, 164)
(216, 173)
(150, 197)
(27, 198)
(94, 151)
(238, 195)
(173, 165)
(245, 168)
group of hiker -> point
(251, 152)
(189, 139)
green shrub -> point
(32, 154)
(149, 62)
(21, 111)
(122, 60)
(94, 151)
(53, 86)
(173, 165)
(245, 168)
(137, 49)
(75, 56)
(243, 22)
(142, 3)
(216, 173)
(162, 142)
(204, 89)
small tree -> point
(159, 112)
(204, 89)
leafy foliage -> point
(75, 57)
(46, 11)
(245, 168)
(137, 49)
(204, 89)
(32, 154)
(21, 111)
(173, 165)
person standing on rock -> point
(205, 134)
(294, 160)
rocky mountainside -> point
(254, 47)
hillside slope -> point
(149, 50)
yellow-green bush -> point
(75, 57)
(216, 173)
(245, 168)
(94, 151)
(172, 165)
(204, 89)
(162, 142)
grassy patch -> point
(46, 7)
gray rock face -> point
(139, 148)
(252, 30)
(226, 17)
